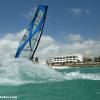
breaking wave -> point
(16, 72)
(78, 75)
(21, 71)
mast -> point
(40, 34)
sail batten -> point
(31, 38)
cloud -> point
(87, 11)
(29, 14)
(78, 11)
(49, 47)
(74, 37)
(53, 48)
(75, 11)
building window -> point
(74, 56)
(70, 57)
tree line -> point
(95, 59)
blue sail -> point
(31, 38)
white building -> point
(75, 58)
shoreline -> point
(74, 65)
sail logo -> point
(40, 14)
(38, 19)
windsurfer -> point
(36, 60)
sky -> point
(69, 24)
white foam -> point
(62, 67)
(78, 75)
(21, 71)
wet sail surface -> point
(31, 38)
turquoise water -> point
(65, 90)
(39, 82)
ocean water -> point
(29, 81)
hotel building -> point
(68, 59)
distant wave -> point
(78, 75)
